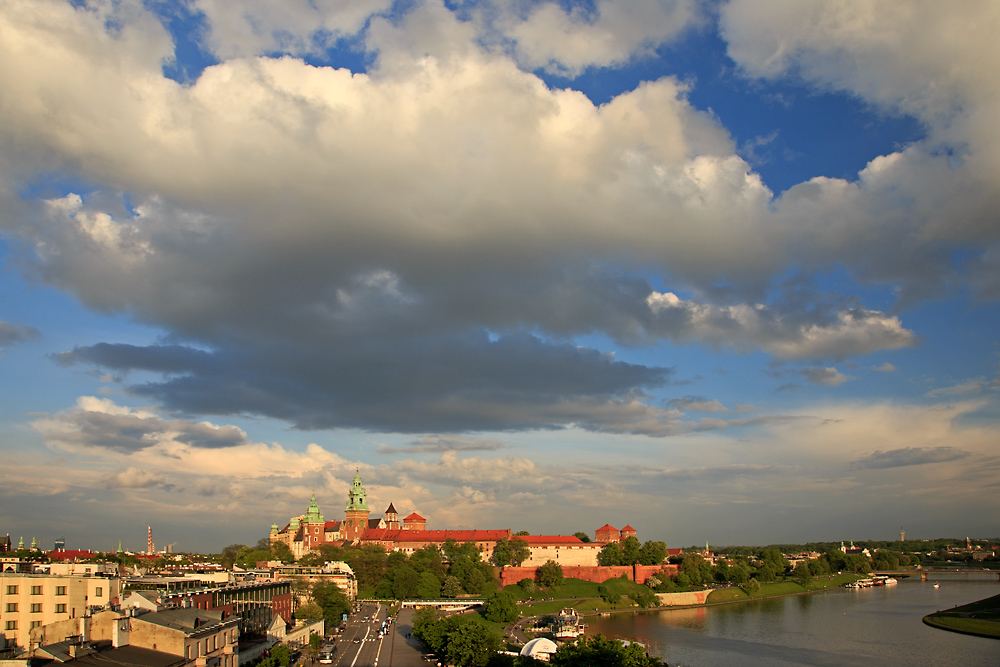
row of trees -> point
(463, 641)
(423, 574)
(630, 552)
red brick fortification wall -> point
(644, 572)
(595, 574)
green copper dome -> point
(313, 514)
(356, 496)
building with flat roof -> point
(28, 601)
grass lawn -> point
(821, 583)
(727, 595)
(971, 626)
(983, 618)
(780, 588)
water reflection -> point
(839, 627)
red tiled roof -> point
(627, 527)
(550, 539)
(331, 525)
(674, 552)
(414, 517)
(606, 527)
(399, 535)
(68, 554)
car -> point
(357, 641)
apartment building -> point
(29, 601)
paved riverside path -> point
(405, 651)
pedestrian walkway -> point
(407, 650)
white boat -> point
(567, 624)
(937, 585)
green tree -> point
(801, 573)
(652, 553)
(423, 619)
(228, 556)
(501, 552)
(281, 655)
(752, 588)
(280, 551)
(739, 574)
(631, 548)
(451, 588)
(766, 573)
(309, 611)
(608, 595)
(519, 551)
(697, 569)
(248, 558)
(550, 574)
(472, 644)
(405, 582)
(527, 585)
(368, 563)
(428, 586)
(501, 607)
(611, 554)
(597, 651)
(583, 537)
(315, 641)
(331, 600)
(460, 640)
(521, 532)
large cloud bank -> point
(411, 248)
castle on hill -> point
(310, 531)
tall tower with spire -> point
(356, 514)
(149, 540)
(314, 526)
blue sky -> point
(724, 271)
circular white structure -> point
(540, 648)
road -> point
(360, 646)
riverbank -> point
(981, 619)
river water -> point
(873, 626)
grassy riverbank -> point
(725, 595)
(587, 600)
(980, 618)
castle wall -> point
(596, 574)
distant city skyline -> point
(725, 271)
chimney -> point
(120, 633)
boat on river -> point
(870, 582)
(567, 625)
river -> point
(873, 626)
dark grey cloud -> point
(440, 443)
(439, 384)
(909, 456)
(128, 433)
(697, 404)
(155, 358)
(16, 333)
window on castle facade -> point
(60, 609)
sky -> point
(723, 271)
